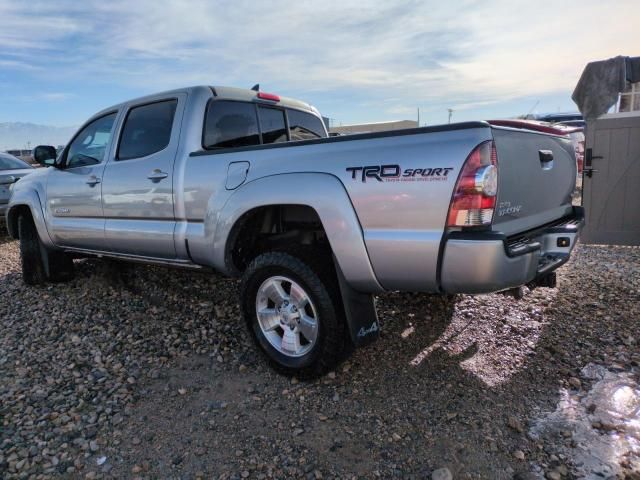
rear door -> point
(536, 179)
(137, 190)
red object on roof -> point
(268, 96)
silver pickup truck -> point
(249, 184)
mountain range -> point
(19, 135)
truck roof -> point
(221, 92)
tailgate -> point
(536, 178)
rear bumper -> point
(484, 262)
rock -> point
(515, 424)
(526, 476)
(553, 475)
(242, 369)
(331, 375)
(441, 474)
(519, 455)
(182, 391)
(575, 382)
(136, 469)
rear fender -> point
(322, 192)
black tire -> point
(315, 274)
(38, 263)
(31, 248)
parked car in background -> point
(571, 119)
(11, 170)
(575, 133)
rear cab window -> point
(273, 125)
(230, 124)
(234, 124)
(305, 126)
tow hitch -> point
(546, 281)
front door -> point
(73, 206)
(611, 179)
(137, 189)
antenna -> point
(532, 109)
(256, 87)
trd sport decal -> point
(392, 173)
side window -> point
(272, 124)
(90, 145)
(147, 130)
(304, 126)
(230, 124)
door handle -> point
(92, 181)
(157, 175)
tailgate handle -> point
(546, 156)
(546, 159)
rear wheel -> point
(294, 312)
(38, 263)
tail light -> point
(474, 197)
(268, 96)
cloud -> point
(56, 96)
(464, 54)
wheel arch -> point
(27, 202)
(321, 195)
(12, 218)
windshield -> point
(8, 162)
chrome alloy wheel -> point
(287, 316)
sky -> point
(62, 61)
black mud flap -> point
(360, 312)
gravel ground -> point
(148, 372)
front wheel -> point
(38, 263)
(31, 252)
(294, 312)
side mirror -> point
(8, 180)
(45, 155)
